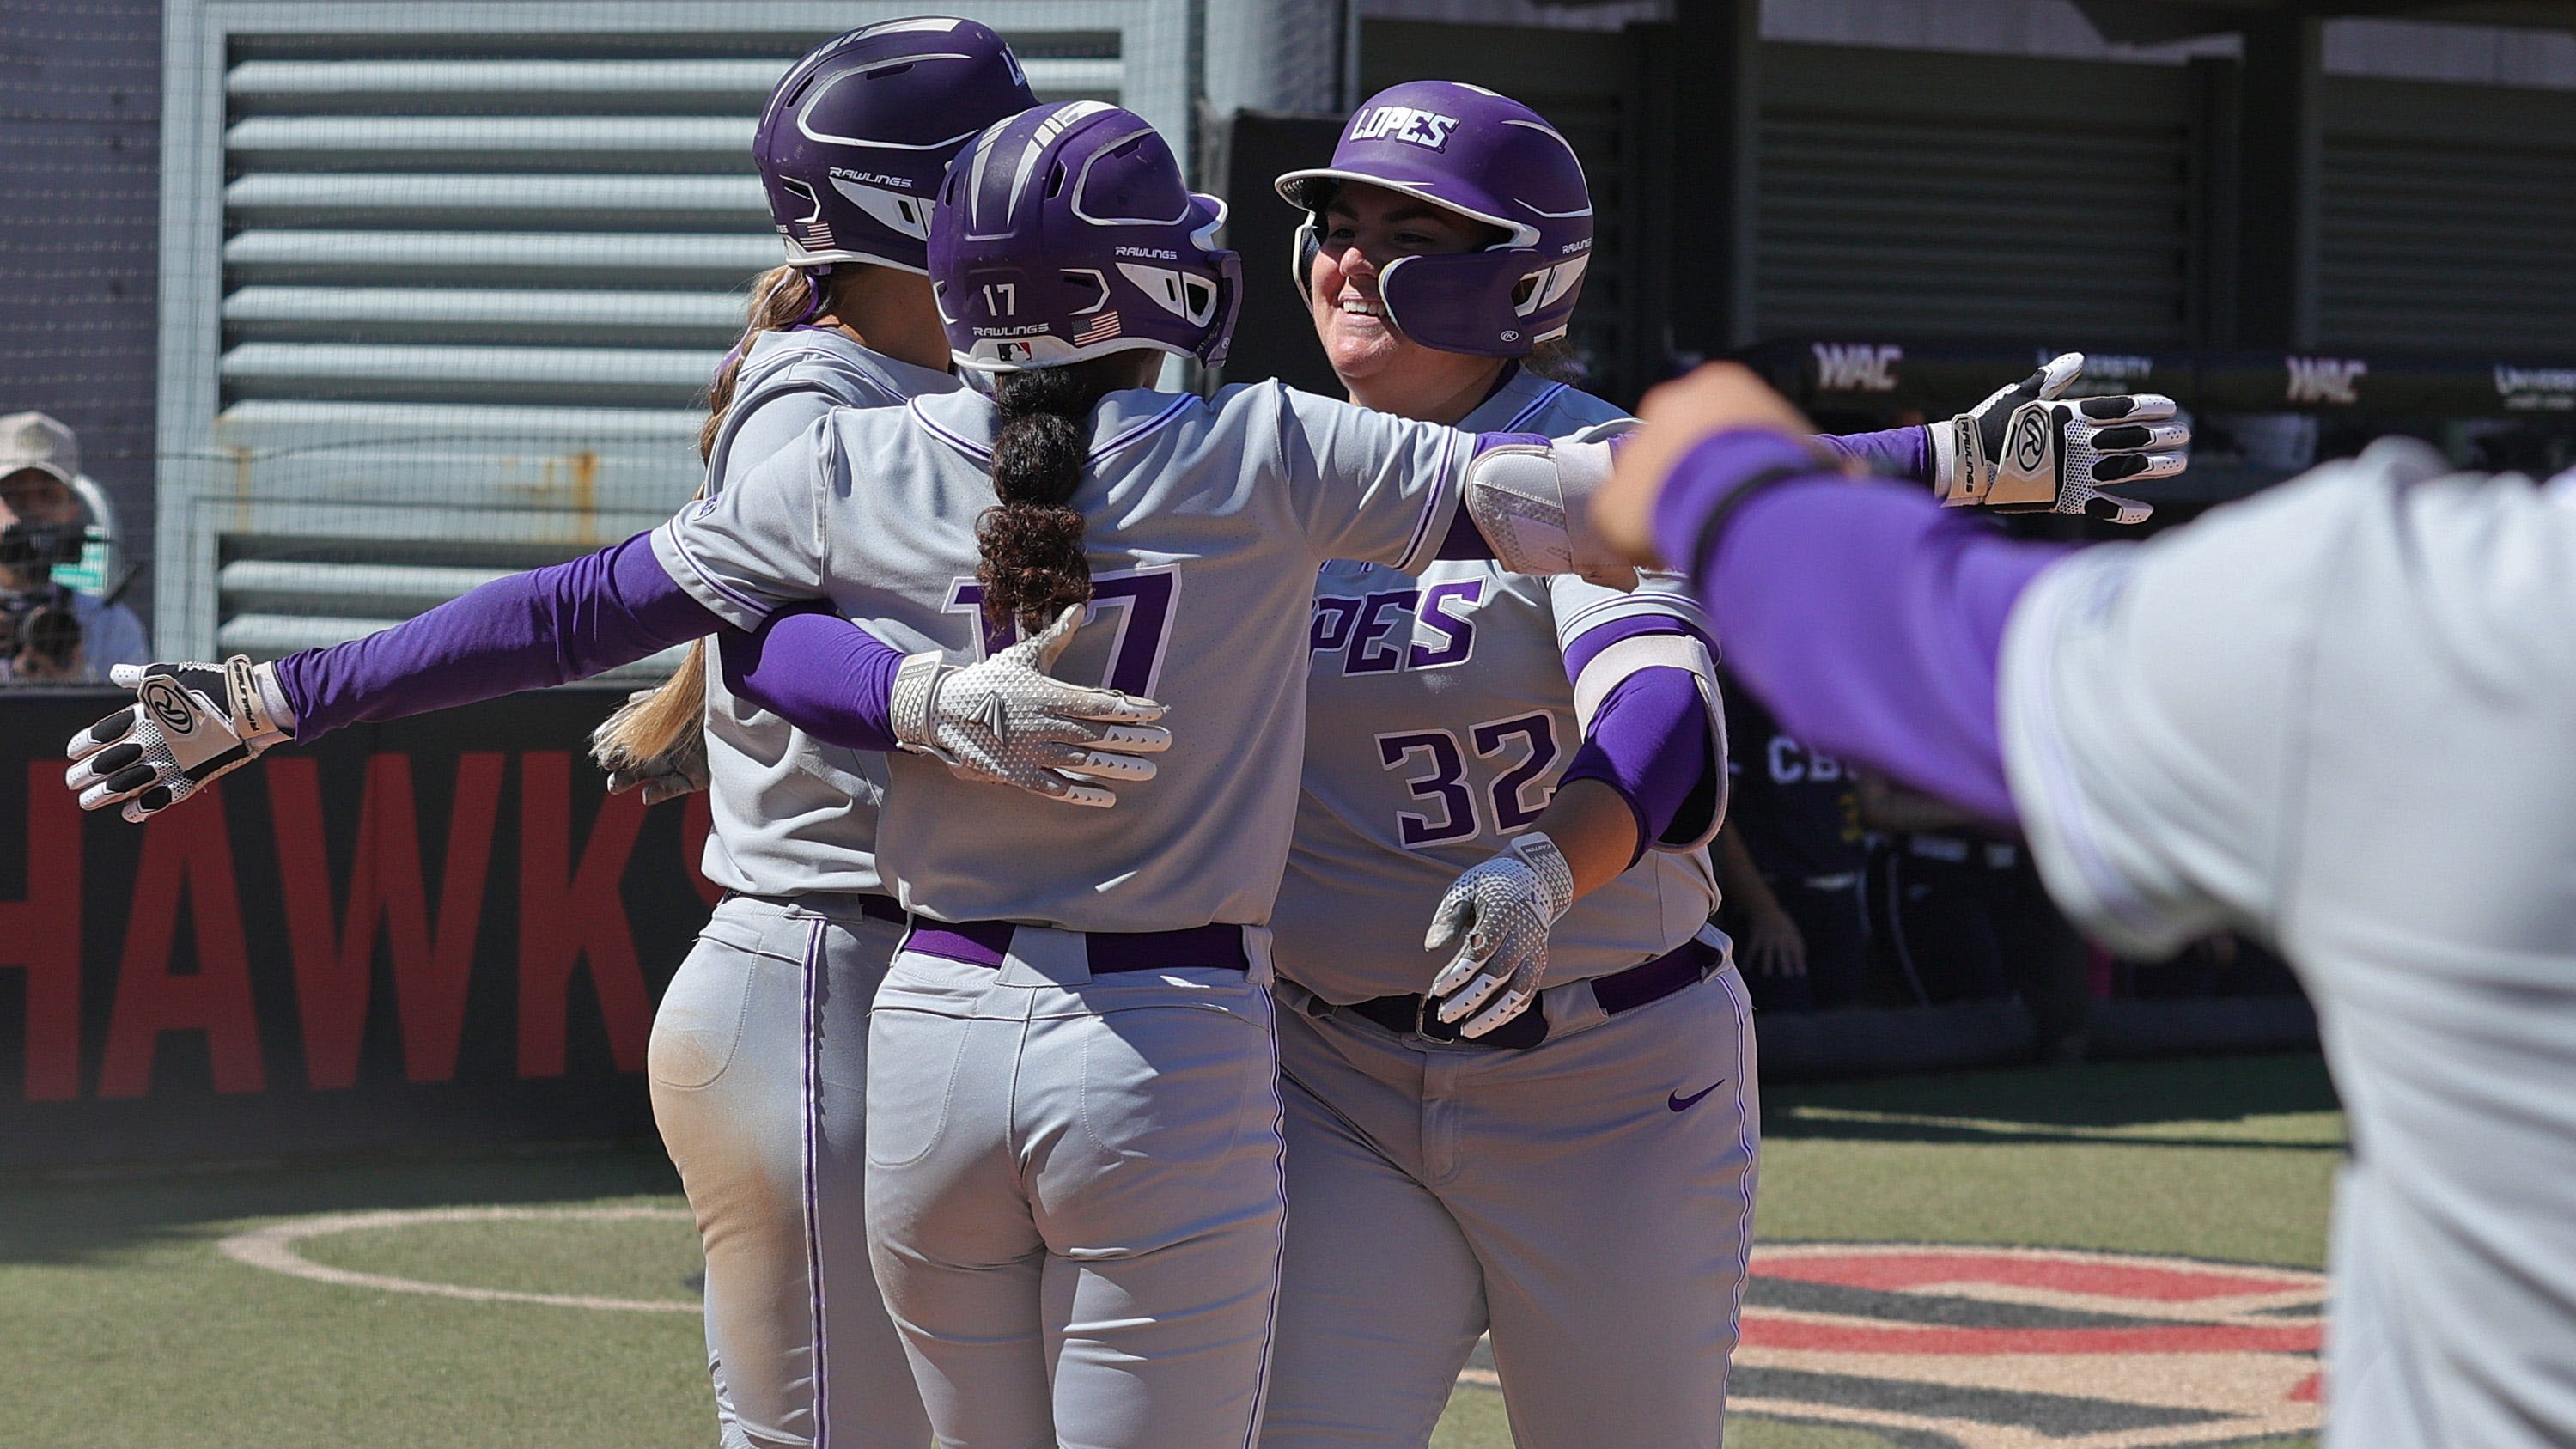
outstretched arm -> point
(545, 627)
(193, 722)
(1867, 617)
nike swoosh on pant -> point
(1680, 1103)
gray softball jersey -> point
(1207, 521)
(792, 814)
(2340, 715)
(1440, 720)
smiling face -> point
(1365, 228)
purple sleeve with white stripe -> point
(547, 626)
(1650, 741)
(1866, 616)
(1893, 453)
(820, 673)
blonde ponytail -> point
(650, 726)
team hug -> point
(1218, 901)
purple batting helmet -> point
(1490, 159)
(855, 138)
(1065, 233)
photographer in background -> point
(48, 630)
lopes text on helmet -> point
(1403, 123)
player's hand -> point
(1005, 721)
(189, 723)
(1772, 945)
(2028, 450)
(677, 771)
(1676, 416)
(1504, 908)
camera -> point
(41, 621)
(42, 545)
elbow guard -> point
(1696, 824)
(1533, 504)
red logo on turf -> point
(1995, 1348)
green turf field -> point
(124, 1324)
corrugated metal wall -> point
(1917, 195)
(2449, 218)
(457, 286)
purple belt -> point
(1684, 965)
(985, 943)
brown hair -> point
(1034, 565)
(660, 723)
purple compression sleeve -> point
(1869, 618)
(527, 631)
(820, 673)
(1893, 453)
(1650, 742)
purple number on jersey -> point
(1143, 599)
(1446, 783)
(1512, 810)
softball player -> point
(758, 1057)
(1457, 1166)
(1074, 1192)
(1579, 1180)
(2215, 730)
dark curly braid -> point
(1034, 565)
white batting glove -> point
(1505, 907)
(2028, 450)
(1005, 721)
(188, 724)
(677, 771)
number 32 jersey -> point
(1439, 720)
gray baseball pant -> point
(1589, 1201)
(1074, 1195)
(758, 1064)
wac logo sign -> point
(1855, 367)
(2004, 1348)
(2325, 379)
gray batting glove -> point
(2027, 449)
(1005, 721)
(189, 723)
(677, 771)
(1505, 907)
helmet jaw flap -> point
(1065, 233)
(1501, 303)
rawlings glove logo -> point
(2030, 440)
(169, 705)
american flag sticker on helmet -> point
(1100, 329)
